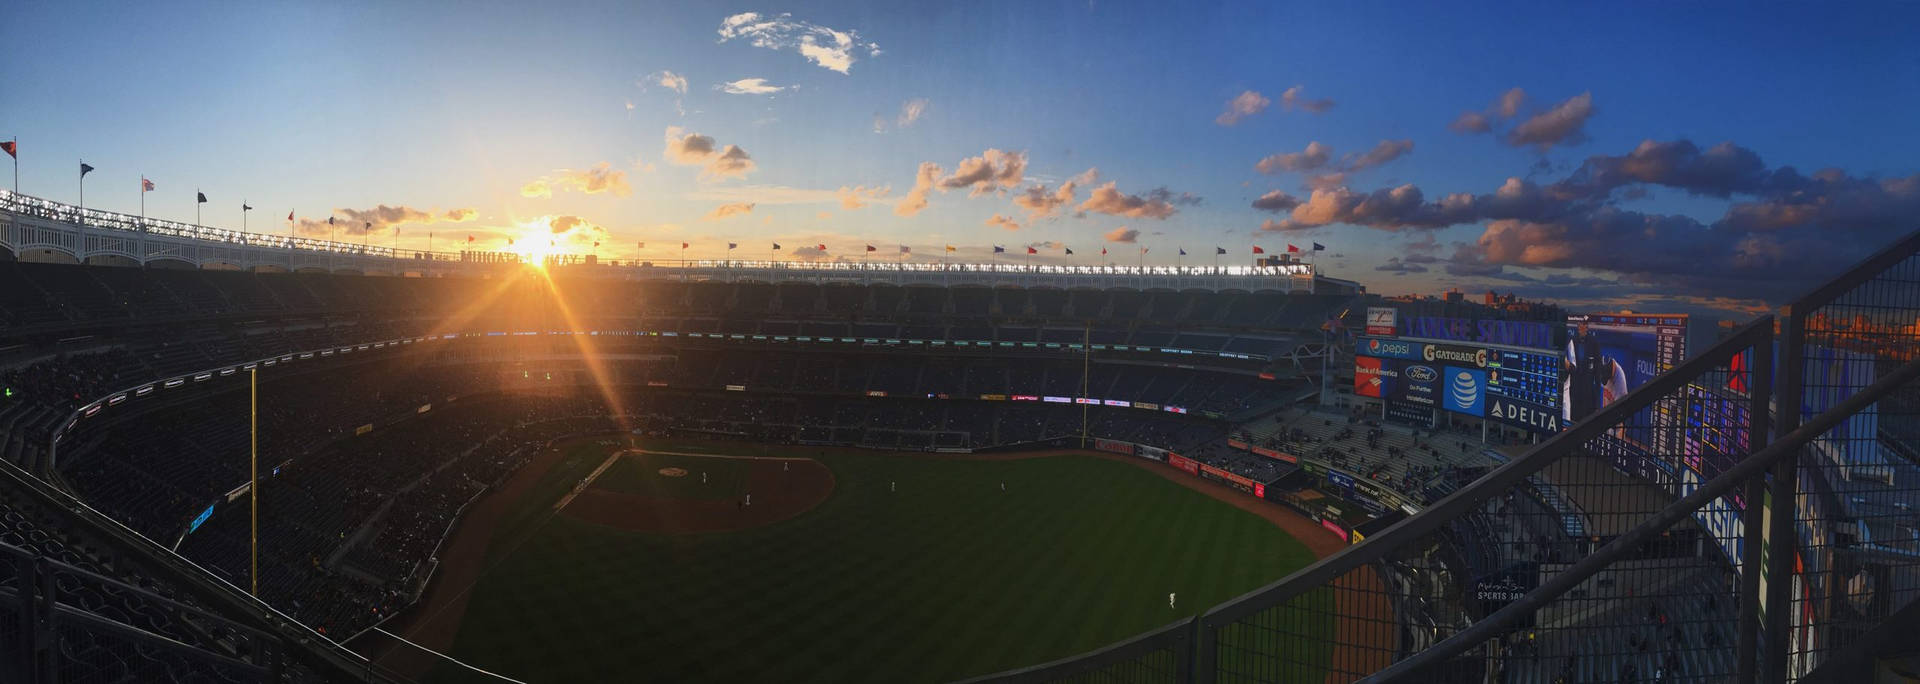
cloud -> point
(1244, 105)
(460, 215)
(601, 178)
(1471, 122)
(1398, 267)
(1276, 201)
(1385, 151)
(1295, 98)
(1003, 222)
(1315, 156)
(1121, 234)
(727, 210)
(749, 86)
(1318, 156)
(1041, 202)
(992, 171)
(1503, 108)
(732, 162)
(855, 197)
(667, 79)
(692, 149)
(1778, 222)
(911, 111)
(1563, 124)
(830, 48)
(916, 198)
(1158, 204)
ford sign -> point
(1421, 373)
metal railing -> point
(1853, 549)
(1434, 576)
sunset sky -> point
(1665, 158)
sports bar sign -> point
(1380, 320)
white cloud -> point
(911, 111)
(828, 47)
(750, 86)
(727, 210)
(1242, 106)
(667, 79)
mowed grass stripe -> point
(945, 578)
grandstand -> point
(394, 392)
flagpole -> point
(83, 193)
(143, 200)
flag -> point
(469, 239)
(1103, 251)
(822, 247)
(1183, 251)
(905, 249)
(243, 205)
(949, 248)
(1217, 251)
(1319, 247)
(999, 250)
(596, 244)
(146, 185)
(289, 215)
(871, 248)
(683, 245)
(776, 246)
(202, 199)
(732, 245)
(1292, 248)
(12, 148)
(643, 245)
(368, 227)
(1069, 251)
(85, 169)
(1143, 250)
(1258, 250)
(1031, 250)
(509, 242)
(329, 220)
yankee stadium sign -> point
(1511, 333)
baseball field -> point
(609, 559)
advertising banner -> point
(1390, 349)
(1522, 414)
(1381, 320)
(1114, 446)
(1150, 452)
(1334, 528)
(1340, 480)
(1369, 377)
(1509, 333)
(1464, 390)
(1237, 444)
(1275, 455)
(1236, 481)
(1187, 464)
(1419, 383)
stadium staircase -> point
(1765, 555)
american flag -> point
(146, 185)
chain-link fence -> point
(1855, 554)
(1661, 604)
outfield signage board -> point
(1522, 414)
(1381, 320)
(1113, 445)
(1150, 452)
(1187, 464)
(1234, 480)
(1464, 390)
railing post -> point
(1752, 522)
(1205, 652)
(1783, 539)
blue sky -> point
(430, 108)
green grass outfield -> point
(946, 578)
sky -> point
(1658, 157)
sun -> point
(535, 242)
